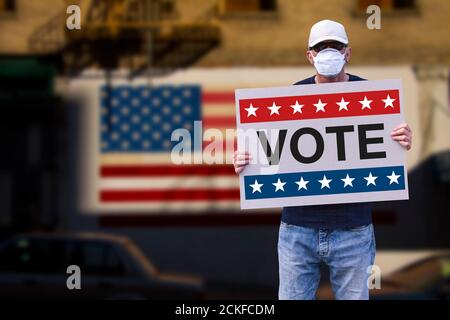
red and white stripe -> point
(380, 102)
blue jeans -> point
(348, 252)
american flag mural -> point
(135, 167)
(125, 129)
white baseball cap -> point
(327, 30)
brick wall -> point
(279, 38)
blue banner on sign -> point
(324, 182)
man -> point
(339, 235)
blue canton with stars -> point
(324, 182)
(142, 118)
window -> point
(388, 5)
(167, 7)
(403, 4)
(93, 258)
(248, 6)
(96, 258)
(7, 6)
(113, 263)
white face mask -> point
(329, 62)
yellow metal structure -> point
(113, 29)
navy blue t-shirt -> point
(331, 216)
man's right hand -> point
(240, 160)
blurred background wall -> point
(49, 172)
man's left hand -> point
(403, 134)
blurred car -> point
(112, 267)
(427, 278)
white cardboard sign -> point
(321, 144)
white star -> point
(297, 107)
(125, 93)
(365, 103)
(343, 104)
(320, 106)
(325, 182)
(393, 178)
(370, 179)
(302, 184)
(256, 186)
(348, 181)
(279, 185)
(388, 102)
(251, 110)
(274, 109)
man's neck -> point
(341, 77)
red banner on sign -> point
(319, 106)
